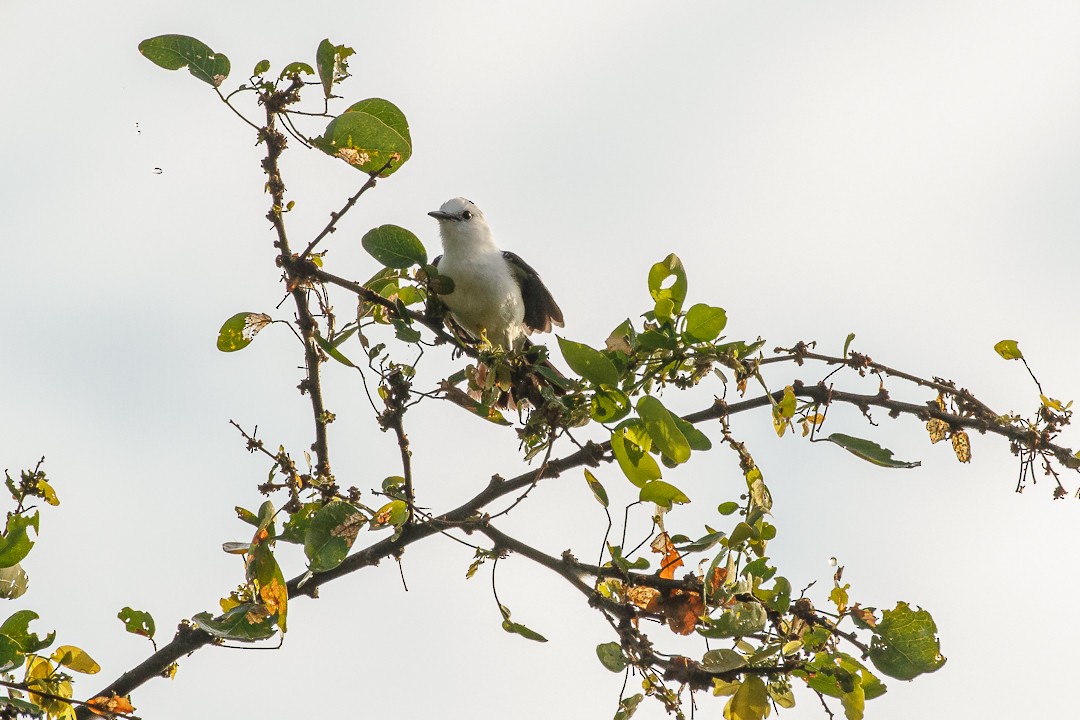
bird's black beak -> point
(440, 215)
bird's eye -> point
(466, 215)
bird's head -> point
(461, 222)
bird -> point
(497, 296)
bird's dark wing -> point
(541, 311)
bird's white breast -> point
(486, 297)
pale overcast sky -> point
(908, 171)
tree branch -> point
(190, 639)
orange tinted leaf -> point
(716, 580)
(102, 705)
(672, 560)
(275, 596)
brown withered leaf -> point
(863, 615)
(682, 608)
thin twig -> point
(334, 217)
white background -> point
(905, 171)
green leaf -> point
(238, 331)
(17, 628)
(638, 466)
(246, 623)
(740, 620)
(404, 331)
(628, 706)
(723, 660)
(836, 674)
(296, 68)
(368, 135)
(332, 350)
(392, 514)
(660, 289)
(869, 451)
(611, 656)
(394, 486)
(750, 701)
(264, 571)
(13, 582)
(703, 543)
(780, 595)
(759, 568)
(394, 247)
(622, 563)
(266, 516)
(728, 507)
(740, 534)
(663, 494)
(517, 628)
(1009, 350)
(261, 67)
(609, 404)
(173, 52)
(15, 544)
(331, 534)
(295, 528)
(332, 61)
(11, 656)
(905, 643)
(704, 322)
(854, 703)
(847, 343)
(476, 407)
(598, 490)
(24, 707)
(664, 310)
(697, 439)
(247, 516)
(590, 364)
(137, 622)
(663, 430)
(652, 340)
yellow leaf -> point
(1008, 350)
(1055, 404)
(47, 493)
(750, 701)
(783, 411)
(648, 599)
(76, 659)
(275, 596)
(961, 445)
(937, 429)
(228, 603)
(723, 688)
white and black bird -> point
(496, 295)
